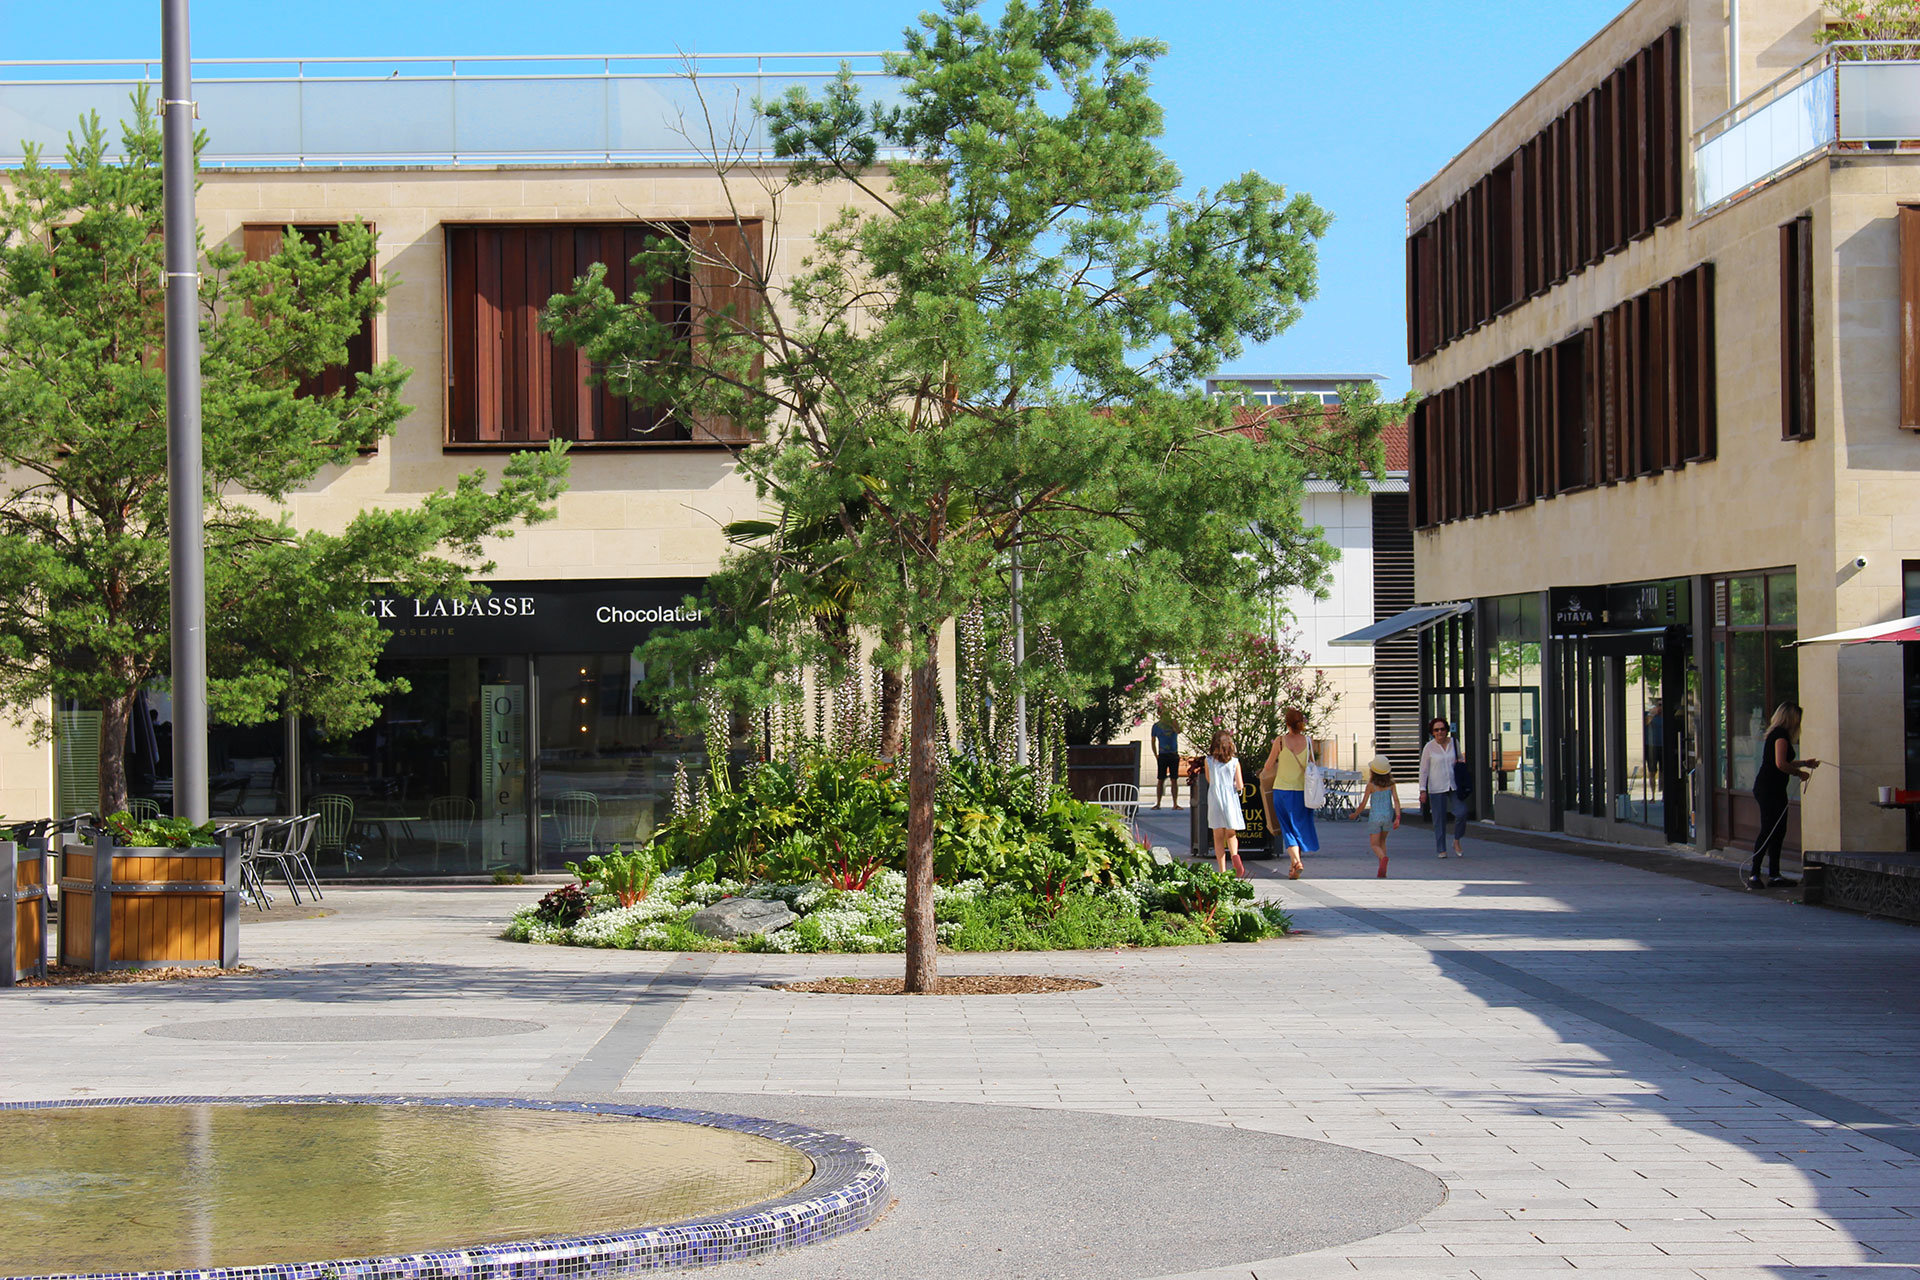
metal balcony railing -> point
(1856, 93)
(414, 110)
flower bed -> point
(1019, 866)
(1183, 906)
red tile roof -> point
(1248, 419)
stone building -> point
(1663, 315)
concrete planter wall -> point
(149, 908)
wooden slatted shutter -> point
(260, 241)
(1796, 329)
(729, 264)
(1909, 218)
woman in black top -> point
(1770, 789)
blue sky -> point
(1355, 102)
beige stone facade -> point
(1840, 510)
(649, 513)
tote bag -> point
(1316, 788)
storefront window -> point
(1516, 764)
(438, 784)
(606, 763)
(1756, 620)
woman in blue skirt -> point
(1292, 752)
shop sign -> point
(1647, 604)
(549, 616)
(1576, 609)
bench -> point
(1881, 884)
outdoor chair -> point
(1124, 799)
(577, 814)
(335, 825)
(142, 810)
(450, 823)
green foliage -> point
(985, 828)
(626, 876)
(504, 876)
(1243, 685)
(84, 505)
(130, 832)
(997, 346)
(1872, 20)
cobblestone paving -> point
(1608, 1068)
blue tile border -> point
(848, 1190)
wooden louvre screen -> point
(1602, 174)
(729, 262)
(260, 241)
(1909, 217)
(1796, 329)
(1631, 395)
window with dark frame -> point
(1909, 233)
(260, 241)
(1796, 329)
(509, 385)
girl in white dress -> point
(1223, 802)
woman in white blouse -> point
(1437, 761)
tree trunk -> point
(923, 765)
(115, 715)
(893, 708)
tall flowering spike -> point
(682, 797)
(714, 702)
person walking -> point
(1166, 759)
(1380, 806)
(1224, 816)
(1770, 789)
(1287, 764)
(1439, 782)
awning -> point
(1412, 622)
(1900, 629)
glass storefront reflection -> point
(438, 784)
(606, 762)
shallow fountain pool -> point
(174, 1185)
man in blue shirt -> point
(1166, 752)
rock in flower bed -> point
(1183, 905)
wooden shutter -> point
(508, 382)
(1796, 329)
(260, 241)
(1909, 217)
(729, 264)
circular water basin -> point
(204, 1185)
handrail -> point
(1798, 74)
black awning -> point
(1412, 622)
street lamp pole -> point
(184, 484)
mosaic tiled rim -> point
(848, 1190)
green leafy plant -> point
(504, 876)
(627, 876)
(1873, 20)
(1243, 686)
(130, 832)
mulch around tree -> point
(959, 984)
(66, 976)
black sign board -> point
(1648, 604)
(1577, 609)
(597, 615)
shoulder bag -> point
(1316, 789)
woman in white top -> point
(1437, 760)
(1223, 802)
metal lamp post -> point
(184, 506)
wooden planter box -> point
(1090, 768)
(149, 908)
(23, 912)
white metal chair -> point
(577, 814)
(1124, 799)
(450, 825)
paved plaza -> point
(1573, 1064)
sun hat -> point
(1380, 764)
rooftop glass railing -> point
(415, 110)
(1857, 94)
